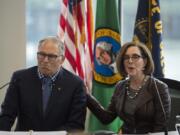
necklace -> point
(134, 93)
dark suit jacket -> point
(148, 115)
(66, 108)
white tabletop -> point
(162, 133)
(34, 133)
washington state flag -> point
(106, 46)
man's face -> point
(49, 60)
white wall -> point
(12, 39)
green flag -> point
(107, 45)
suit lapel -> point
(39, 94)
(36, 82)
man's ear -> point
(62, 58)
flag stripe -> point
(70, 32)
(62, 22)
(79, 67)
(79, 16)
(90, 27)
(70, 59)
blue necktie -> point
(46, 88)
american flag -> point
(75, 31)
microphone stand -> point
(163, 110)
(166, 131)
(4, 85)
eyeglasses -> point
(134, 57)
(51, 57)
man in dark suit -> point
(41, 105)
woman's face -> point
(134, 63)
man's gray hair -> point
(55, 40)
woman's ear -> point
(145, 62)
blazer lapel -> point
(144, 95)
(121, 98)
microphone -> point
(9, 83)
(4, 85)
(164, 113)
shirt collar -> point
(53, 77)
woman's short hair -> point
(146, 54)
